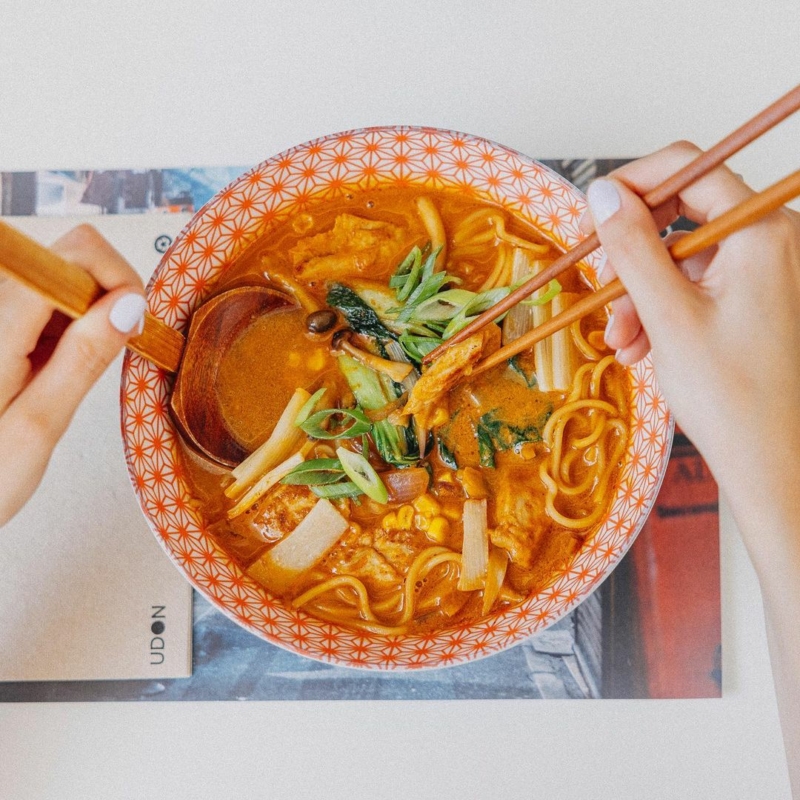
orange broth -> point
(277, 354)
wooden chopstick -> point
(72, 289)
(704, 163)
(746, 213)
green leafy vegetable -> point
(337, 423)
(395, 444)
(515, 366)
(485, 446)
(496, 435)
(446, 454)
(361, 317)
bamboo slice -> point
(704, 163)
(71, 289)
(746, 213)
(564, 352)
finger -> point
(631, 240)
(84, 246)
(46, 405)
(663, 215)
(635, 351)
(623, 323)
(695, 266)
(23, 315)
(707, 198)
(586, 223)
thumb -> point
(633, 246)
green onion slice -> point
(317, 472)
(309, 406)
(553, 288)
(336, 491)
(360, 471)
(354, 423)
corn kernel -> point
(427, 506)
(405, 518)
(528, 451)
(317, 360)
(452, 513)
(293, 359)
(389, 522)
(438, 529)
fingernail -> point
(128, 313)
(609, 326)
(603, 199)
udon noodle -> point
(388, 498)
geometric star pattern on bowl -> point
(329, 167)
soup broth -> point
(390, 498)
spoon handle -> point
(72, 289)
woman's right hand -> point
(726, 346)
(726, 350)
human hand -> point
(725, 345)
(47, 367)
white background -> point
(109, 84)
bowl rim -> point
(430, 655)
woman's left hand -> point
(47, 367)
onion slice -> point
(405, 485)
(475, 551)
(495, 575)
(284, 438)
(264, 484)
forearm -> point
(771, 531)
(781, 605)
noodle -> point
(590, 449)
(582, 343)
(541, 438)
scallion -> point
(347, 423)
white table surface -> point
(202, 83)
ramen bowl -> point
(249, 208)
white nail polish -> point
(128, 313)
(609, 326)
(603, 199)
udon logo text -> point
(157, 627)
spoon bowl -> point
(214, 327)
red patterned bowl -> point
(260, 198)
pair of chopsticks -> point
(738, 217)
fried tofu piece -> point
(370, 566)
(277, 514)
(350, 248)
(452, 366)
(517, 514)
(396, 547)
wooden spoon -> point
(195, 359)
